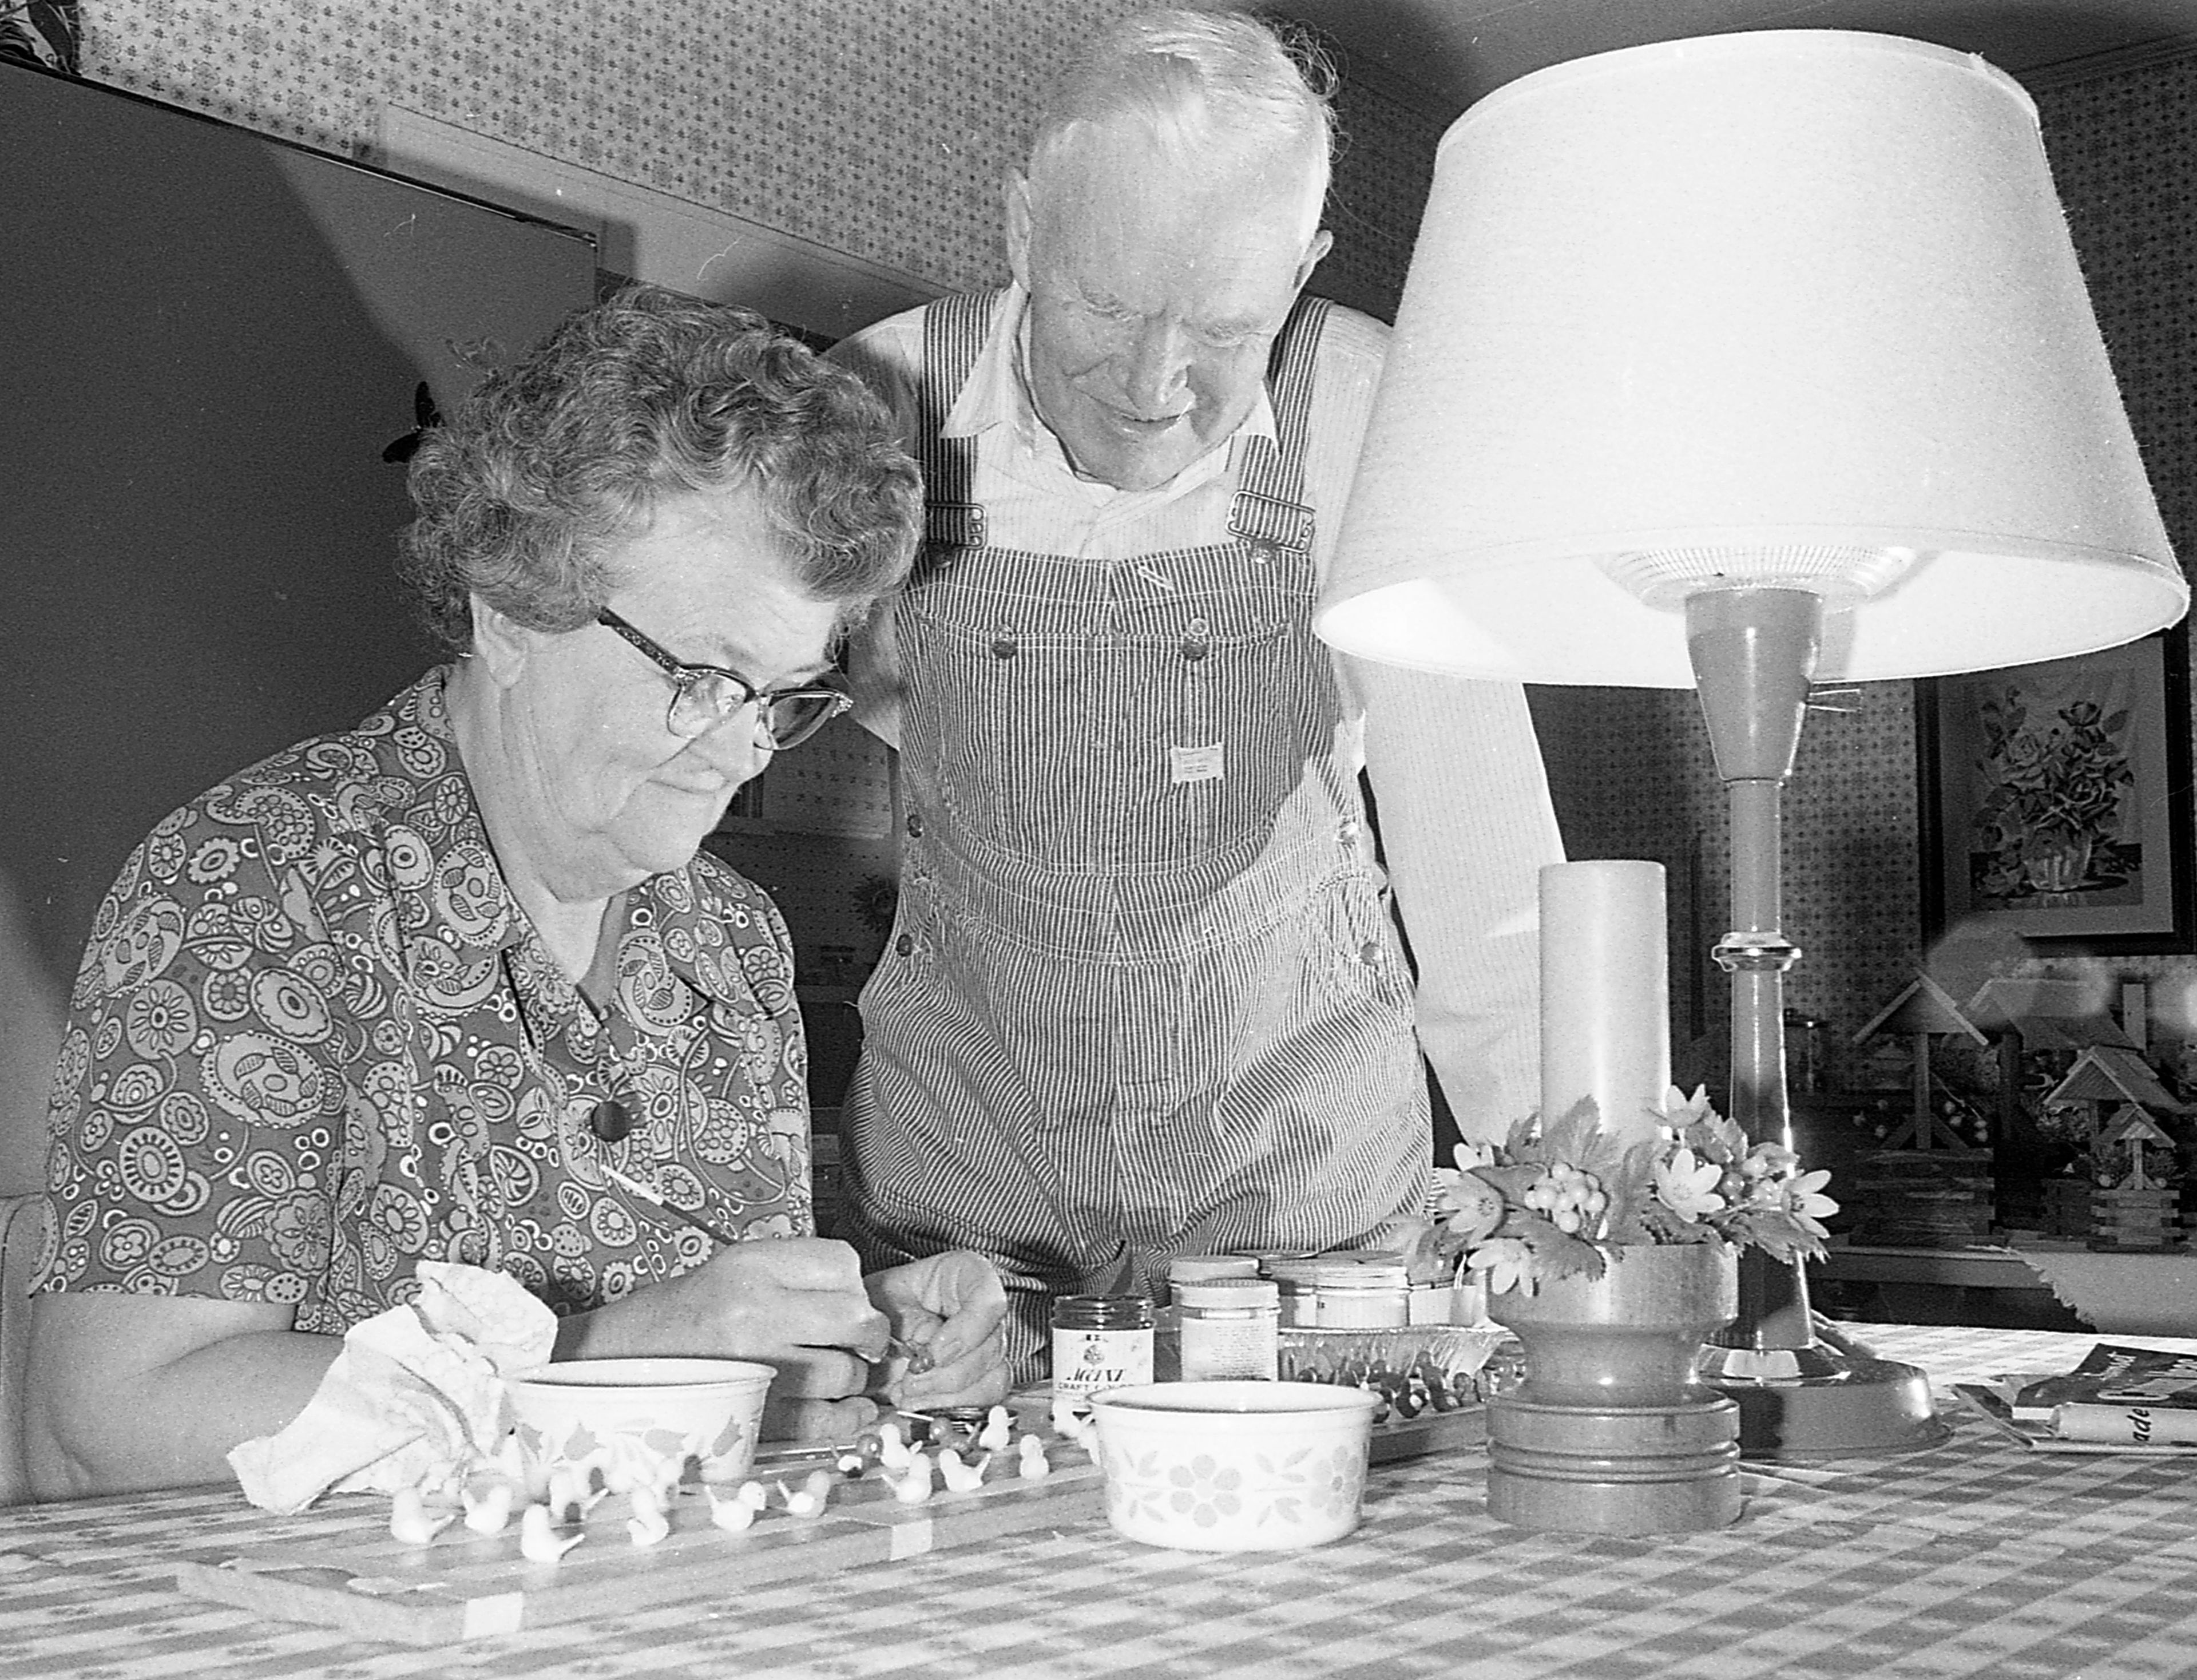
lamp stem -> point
(1753, 652)
(1799, 1394)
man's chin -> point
(1129, 465)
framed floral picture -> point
(2055, 799)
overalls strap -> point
(953, 330)
(1270, 512)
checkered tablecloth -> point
(1977, 1558)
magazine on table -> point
(2119, 1398)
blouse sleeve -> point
(198, 1112)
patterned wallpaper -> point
(882, 128)
(2124, 151)
(878, 127)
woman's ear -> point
(501, 644)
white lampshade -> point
(1796, 307)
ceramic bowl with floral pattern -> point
(590, 1424)
(1233, 1466)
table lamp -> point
(1739, 363)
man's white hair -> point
(1205, 88)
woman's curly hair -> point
(555, 460)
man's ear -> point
(1016, 192)
(1322, 243)
(501, 643)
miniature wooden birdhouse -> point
(2041, 1024)
(1921, 1013)
(2134, 1168)
(2134, 1134)
(1927, 1186)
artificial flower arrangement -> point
(1557, 1197)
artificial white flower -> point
(1687, 1187)
(1507, 1263)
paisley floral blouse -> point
(315, 1040)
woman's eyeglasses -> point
(705, 696)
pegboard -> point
(840, 783)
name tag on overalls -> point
(1198, 764)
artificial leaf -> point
(1631, 1191)
(1556, 1255)
(1571, 1139)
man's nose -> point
(1157, 360)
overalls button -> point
(915, 823)
(1348, 832)
(905, 944)
(1005, 647)
(1370, 952)
(1195, 649)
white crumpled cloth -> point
(414, 1399)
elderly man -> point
(1145, 995)
(458, 984)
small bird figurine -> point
(893, 1452)
(650, 1522)
(488, 1511)
(539, 1542)
(411, 1523)
(1070, 1421)
(1031, 1464)
(959, 1477)
(731, 1511)
(912, 1487)
(807, 1499)
(999, 1429)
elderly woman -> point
(459, 984)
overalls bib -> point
(1144, 996)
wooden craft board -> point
(468, 1586)
(355, 1577)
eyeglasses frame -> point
(684, 675)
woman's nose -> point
(737, 747)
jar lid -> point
(1361, 1272)
(1196, 1268)
(1101, 1313)
(1243, 1293)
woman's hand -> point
(797, 1304)
(946, 1311)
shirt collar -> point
(487, 922)
(996, 395)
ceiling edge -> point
(2114, 61)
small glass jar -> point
(1100, 1341)
(1167, 1320)
(1293, 1274)
(1361, 1292)
(1231, 1328)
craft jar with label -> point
(1167, 1323)
(1229, 1328)
(1100, 1341)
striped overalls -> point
(1143, 997)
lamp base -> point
(1833, 1398)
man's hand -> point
(946, 1311)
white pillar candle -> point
(1605, 993)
